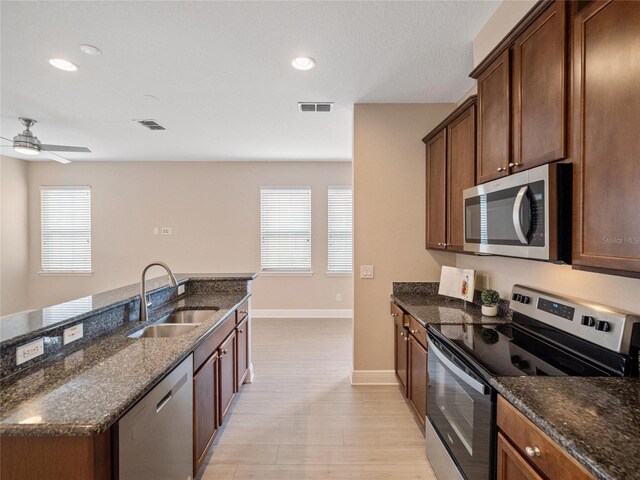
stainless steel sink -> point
(164, 330)
(188, 316)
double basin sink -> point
(176, 324)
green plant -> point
(490, 297)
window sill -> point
(65, 274)
(285, 274)
(339, 274)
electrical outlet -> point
(166, 231)
(366, 271)
(338, 297)
(29, 351)
(72, 334)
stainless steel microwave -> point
(527, 215)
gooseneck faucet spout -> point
(144, 304)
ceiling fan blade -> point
(8, 140)
(63, 148)
(55, 156)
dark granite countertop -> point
(85, 392)
(26, 324)
(596, 420)
(422, 302)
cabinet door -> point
(539, 90)
(494, 125)
(418, 378)
(606, 101)
(242, 349)
(512, 465)
(401, 337)
(227, 369)
(461, 173)
(437, 190)
(205, 416)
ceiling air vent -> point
(315, 107)
(150, 124)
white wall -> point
(214, 211)
(503, 273)
(14, 234)
(389, 213)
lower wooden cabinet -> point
(205, 411)
(228, 386)
(401, 337)
(242, 351)
(417, 378)
(526, 452)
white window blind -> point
(66, 229)
(285, 225)
(340, 229)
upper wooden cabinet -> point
(540, 90)
(450, 168)
(522, 95)
(494, 120)
(606, 145)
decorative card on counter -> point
(457, 283)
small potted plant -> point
(490, 299)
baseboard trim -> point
(302, 313)
(373, 377)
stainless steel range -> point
(550, 335)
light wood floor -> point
(301, 419)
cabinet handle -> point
(240, 330)
(395, 314)
(244, 312)
(532, 451)
(441, 244)
(501, 169)
(414, 331)
(406, 338)
(225, 351)
(511, 165)
(402, 334)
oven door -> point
(508, 216)
(459, 407)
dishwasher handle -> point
(175, 389)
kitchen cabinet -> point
(522, 95)
(606, 150)
(242, 351)
(205, 416)
(450, 169)
(526, 452)
(494, 120)
(401, 337)
(227, 369)
(417, 391)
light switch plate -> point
(29, 351)
(72, 334)
(366, 271)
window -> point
(340, 230)
(66, 229)
(285, 225)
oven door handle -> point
(517, 215)
(468, 379)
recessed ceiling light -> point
(303, 63)
(63, 64)
(90, 50)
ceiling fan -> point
(27, 143)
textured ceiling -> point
(222, 72)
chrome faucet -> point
(144, 305)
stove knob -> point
(603, 326)
(514, 296)
(525, 299)
(588, 321)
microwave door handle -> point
(462, 375)
(517, 214)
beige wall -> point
(14, 234)
(389, 214)
(214, 211)
(501, 22)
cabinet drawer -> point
(552, 460)
(418, 330)
(242, 312)
(206, 348)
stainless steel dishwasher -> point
(155, 437)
